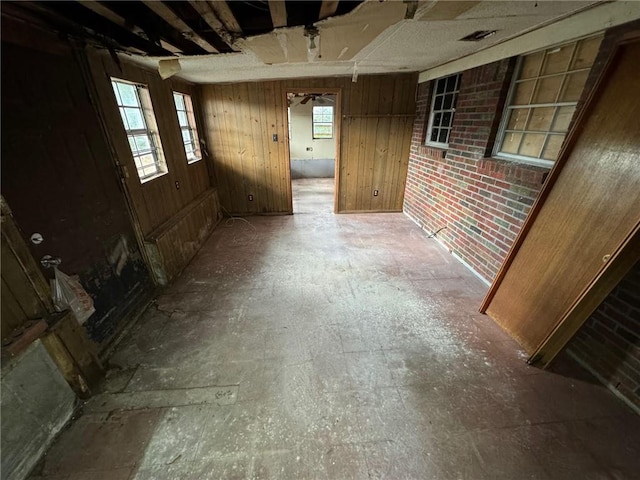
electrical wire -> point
(432, 235)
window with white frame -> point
(322, 122)
(136, 111)
(443, 106)
(187, 122)
(543, 99)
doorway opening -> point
(313, 128)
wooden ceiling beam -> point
(100, 9)
(154, 27)
(163, 11)
(328, 8)
(194, 20)
(103, 27)
(224, 13)
(278, 10)
(209, 16)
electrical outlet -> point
(250, 198)
(275, 137)
(177, 185)
(309, 149)
(375, 193)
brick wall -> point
(482, 201)
(608, 344)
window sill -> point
(154, 177)
(193, 160)
(547, 164)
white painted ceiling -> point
(375, 38)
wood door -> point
(591, 206)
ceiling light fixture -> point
(311, 32)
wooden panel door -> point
(592, 204)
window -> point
(443, 105)
(139, 123)
(322, 122)
(543, 99)
(187, 121)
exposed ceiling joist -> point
(170, 17)
(328, 8)
(278, 10)
(88, 19)
(223, 12)
(192, 18)
(155, 28)
(209, 16)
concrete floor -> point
(329, 346)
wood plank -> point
(278, 10)
(328, 8)
(591, 298)
(164, 12)
(224, 13)
(363, 140)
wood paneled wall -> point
(158, 200)
(58, 175)
(374, 128)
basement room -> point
(326, 239)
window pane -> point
(141, 143)
(446, 118)
(322, 130)
(511, 142)
(440, 84)
(552, 148)
(451, 83)
(531, 144)
(586, 52)
(179, 101)
(434, 135)
(448, 101)
(134, 118)
(547, 89)
(557, 60)
(147, 160)
(186, 135)
(438, 103)
(573, 86)
(182, 119)
(437, 118)
(531, 65)
(128, 95)
(563, 119)
(444, 135)
(523, 93)
(518, 119)
(540, 119)
(536, 122)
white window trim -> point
(154, 136)
(192, 128)
(428, 142)
(538, 162)
(313, 123)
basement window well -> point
(188, 130)
(136, 112)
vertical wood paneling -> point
(155, 201)
(376, 121)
